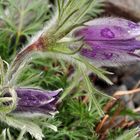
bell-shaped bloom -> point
(110, 41)
(36, 102)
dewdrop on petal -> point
(110, 41)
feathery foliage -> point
(76, 119)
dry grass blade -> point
(130, 92)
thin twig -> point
(130, 92)
(100, 125)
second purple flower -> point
(110, 41)
(36, 101)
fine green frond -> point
(94, 10)
(42, 74)
(90, 92)
(7, 108)
(22, 123)
(57, 68)
(22, 132)
(7, 135)
(74, 13)
(2, 72)
(129, 135)
(75, 81)
(19, 20)
(3, 134)
(75, 122)
(98, 71)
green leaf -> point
(21, 123)
(91, 93)
(9, 135)
(3, 135)
(99, 72)
(74, 14)
(53, 127)
(8, 108)
(73, 84)
(20, 137)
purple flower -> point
(110, 41)
(36, 101)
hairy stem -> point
(22, 56)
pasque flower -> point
(36, 101)
(110, 41)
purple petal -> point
(127, 45)
(93, 33)
(36, 101)
(110, 41)
(108, 29)
(32, 110)
(111, 53)
(127, 24)
(54, 93)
